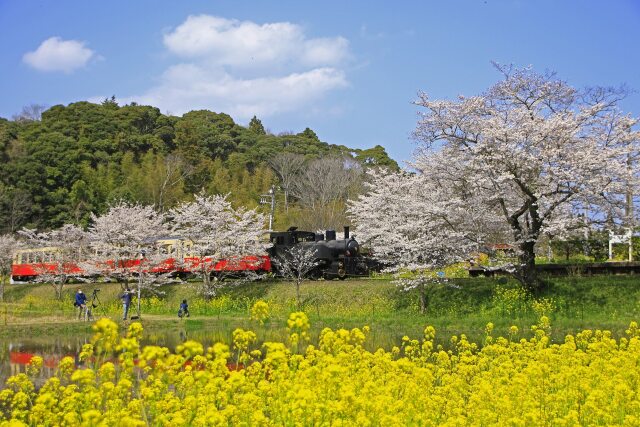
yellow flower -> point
(588, 379)
(106, 335)
(189, 349)
(260, 311)
(66, 366)
(35, 365)
(135, 330)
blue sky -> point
(348, 70)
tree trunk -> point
(286, 200)
(139, 294)
(2, 283)
(206, 285)
(298, 293)
(527, 234)
(526, 272)
(424, 299)
(58, 288)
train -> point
(336, 258)
(173, 258)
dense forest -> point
(59, 166)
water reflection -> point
(16, 353)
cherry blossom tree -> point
(297, 264)
(533, 150)
(8, 245)
(214, 231)
(411, 226)
(63, 252)
(125, 234)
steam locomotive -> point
(336, 258)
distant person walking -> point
(126, 303)
(81, 304)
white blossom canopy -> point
(409, 223)
(216, 229)
(125, 230)
(532, 148)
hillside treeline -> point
(60, 166)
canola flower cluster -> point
(260, 311)
(589, 379)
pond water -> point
(15, 353)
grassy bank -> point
(574, 303)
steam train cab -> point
(337, 258)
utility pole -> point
(629, 208)
(270, 198)
(143, 255)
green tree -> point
(376, 156)
(255, 126)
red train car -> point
(28, 264)
(173, 256)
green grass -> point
(572, 303)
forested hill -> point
(75, 159)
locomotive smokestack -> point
(346, 232)
(331, 235)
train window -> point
(166, 249)
(187, 249)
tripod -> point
(95, 303)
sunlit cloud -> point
(55, 54)
(186, 87)
(245, 69)
(247, 44)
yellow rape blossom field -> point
(590, 379)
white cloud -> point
(247, 44)
(55, 54)
(186, 87)
(244, 68)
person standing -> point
(184, 309)
(126, 302)
(81, 303)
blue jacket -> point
(81, 298)
(184, 307)
(126, 298)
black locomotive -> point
(336, 258)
